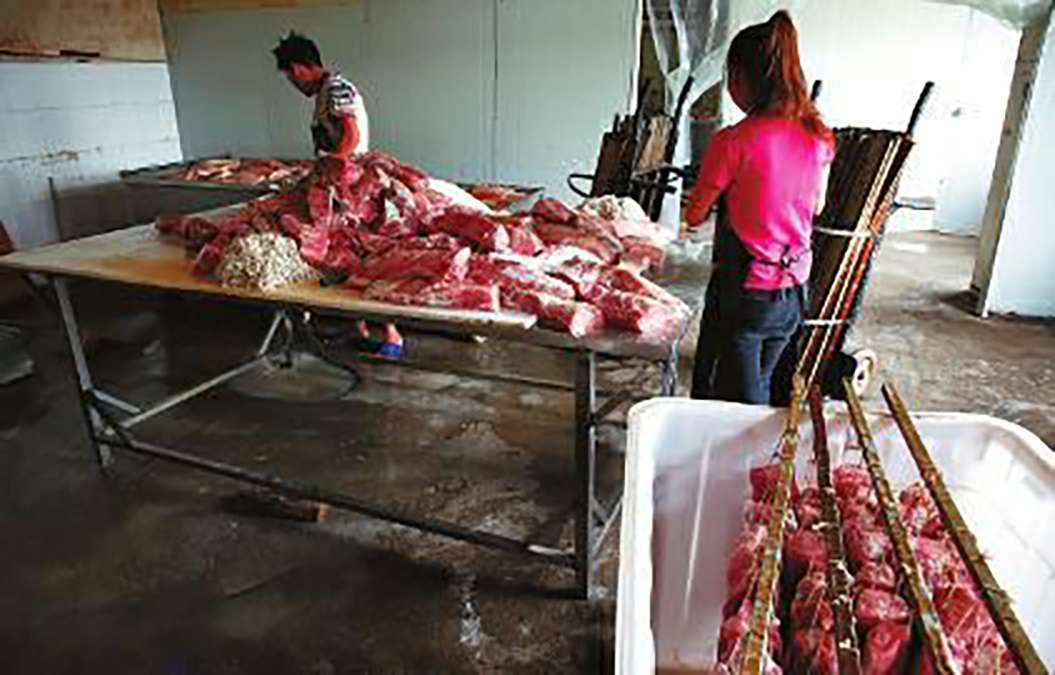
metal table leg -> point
(585, 449)
(669, 383)
(84, 377)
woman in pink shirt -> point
(767, 175)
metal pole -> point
(585, 447)
(176, 399)
(80, 366)
(265, 346)
(310, 492)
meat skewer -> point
(996, 601)
(755, 654)
(933, 633)
(847, 649)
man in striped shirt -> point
(339, 126)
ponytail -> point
(767, 56)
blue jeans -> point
(755, 327)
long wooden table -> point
(138, 257)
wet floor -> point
(145, 572)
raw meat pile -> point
(245, 171)
(376, 224)
(498, 197)
(883, 617)
(742, 575)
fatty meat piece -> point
(578, 319)
(553, 211)
(878, 575)
(806, 550)
(866, 543)
(873, 606)
(764, 481)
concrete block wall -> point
(78, 124)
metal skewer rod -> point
(847, 649)
(933, 634)
(757, 640)
(996, 600)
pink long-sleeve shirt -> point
(771, 174)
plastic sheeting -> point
(692, 36)
(1014, 13)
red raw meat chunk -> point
(292, 226)
(472, 226)
(860, 512)
(876, 575)
(806, 550)
(735, 629)
(513, 276)
(811, 607)
(397, 228)
(873, 606)
(314, 246)
(938, 562)
(168, 223)
(757, 513)
(461, 295)
(808, 507)
(371, 244)
(320, 204)
(813, 651)
(554, 211)
(524, 241)
(764, 481)
(564, 235)
(852, 483)
(962, 612)
(341, 259)
(643, 315)
(437, 242)
(210, 256)
(413, 177)
(642, 254)
(521, 278)
(595, 225)
(885, 648)
(918, 511)
(866, 543)
(743, 561)
(576, 318)
(583, 276)
(627, 280)
(401, 263)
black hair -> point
(295, 48)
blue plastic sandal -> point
(392, 350)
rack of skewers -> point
(862, 183)
(844, 577)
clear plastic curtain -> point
(1015, 13)
(692, 36)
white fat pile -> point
(263, 261)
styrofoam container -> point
(686, 486)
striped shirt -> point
(338, 98)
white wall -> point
(78, 123)
(1022, 278)
(874, 58)
(514, 90)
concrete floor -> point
(145, 572)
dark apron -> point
(732, 265)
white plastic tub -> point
(686, 485)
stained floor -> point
(145, 571)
